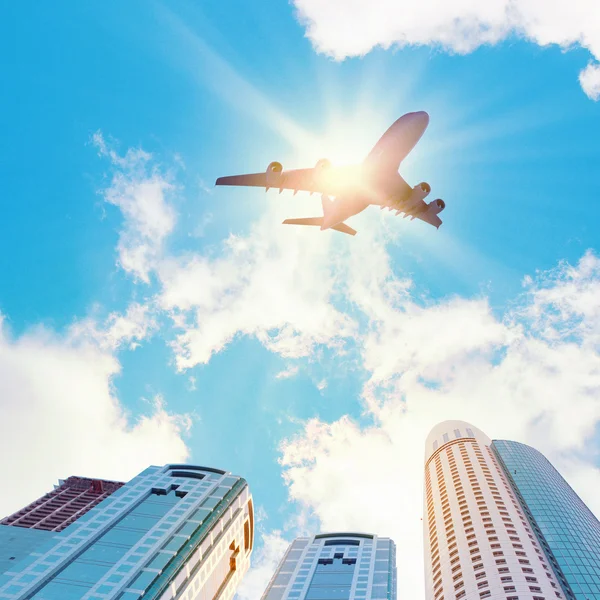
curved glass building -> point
(566, 528)
(336, 566)
(175, 532)
(479, 543)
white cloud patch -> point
(342, 30)
(274, 285)
(265, 559)
(589, 79)
(288, 373)
(60, 416)
(117, 330)
(140, 192)
(532, 376)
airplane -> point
(376, 181)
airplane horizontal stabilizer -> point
(318, 221)
(345, 229)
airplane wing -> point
(329, 182)
(418, 211)
(429, 218)
(421, 212)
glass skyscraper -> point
(566, 528)
(179, 531)
(479, 544)
(336, 566)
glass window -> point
(379, 592)
(143, 580)
(159, 561)
(210, 502)
(174, 544)
(200, 514)
(78, 573)
(187, 529)
(332, 579)
(275, 593)
(328, 593)
(380, 578)
(282, 579)
(230, 481)
(342, 543)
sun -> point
(345, 138)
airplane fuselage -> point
(381, 183)
(380, 189)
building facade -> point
(172, 532)
(568, 531)
(336, 566)
(66, 503)
(479, 543)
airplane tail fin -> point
(317, 222)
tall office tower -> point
(68, 501)
(566, 528)
(178, 531)
(478, 541)
(336, 566)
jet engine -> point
(274, 171)
(422, 190)
(436, 206)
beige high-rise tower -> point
(478, 542)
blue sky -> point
(146, 313)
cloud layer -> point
(60, 416)
(343, 29)
(532, 375)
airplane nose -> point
(422, 117)
(417, 120)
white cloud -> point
(532, 375)
(288, 373)
(140, 192)
(275, 284)
(265, 559)
(343, 29)
(60, 416)
(589, 79)
(135, 325)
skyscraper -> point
(336, 566)
(178, 531)
(478, 541)
(566, 528)
(66, 503)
